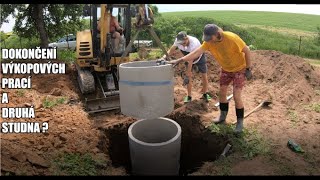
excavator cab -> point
(99, 53)
(98, 58)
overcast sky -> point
(305, 9)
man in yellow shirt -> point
(233, 55)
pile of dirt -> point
(69, 131)
(292, 80)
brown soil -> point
(289, 81)
(198, 143)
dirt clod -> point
(20, 156)
(36, 160)
(56, 92)
(63, 137)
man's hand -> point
(175, 62)
(120, 30)
(161, 62)
(248, 74)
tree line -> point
(46, 21)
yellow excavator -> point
(98, 55)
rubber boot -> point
(222, 118)
(239, 126)
(240, 117)
(224, 107)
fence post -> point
(299, 46)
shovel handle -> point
(253, 110)
(226, 149)
(228, 98)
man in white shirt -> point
(187, 44)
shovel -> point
(228, 99)
(265, 103)
(225, 151)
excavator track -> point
(86, 81)
(95, 98)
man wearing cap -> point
(231, 52)
(187, 44)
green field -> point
(303, 22)
(314, 62)
(266, 30)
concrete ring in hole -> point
(155, 146)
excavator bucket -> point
(102, 104)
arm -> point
(190, 57)
(170, 51)
(193, 55)
(248, 73)
(247, 53)
(116, 23)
